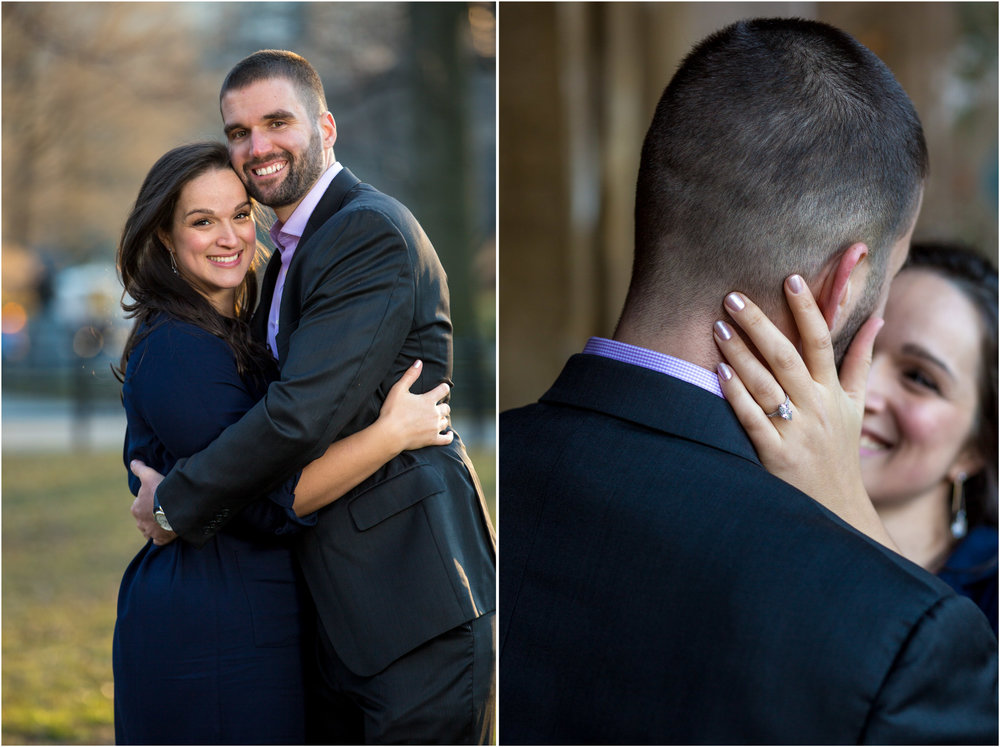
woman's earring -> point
(959, 522)
(173, 263)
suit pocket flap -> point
(397, 492)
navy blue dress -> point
(207, 642)
(971, 570)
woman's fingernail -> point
(734, 302)
(725, 372)
(723, 331)
(796, 284)
(417, 364)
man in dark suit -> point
(658, 585)
(402, 568)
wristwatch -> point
(161, 518)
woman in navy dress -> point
(207, 641)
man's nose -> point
(259, 144)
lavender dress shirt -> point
(286, 237)
(666, 364)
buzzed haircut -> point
(777, 144)
(278, 63)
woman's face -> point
(213, 236)
(922, 390)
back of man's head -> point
(279, 63)
(777, 144)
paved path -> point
(33, 425)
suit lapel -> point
(651, 399)
(258, 324)
(331, 201)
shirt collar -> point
(296, 223)
(653, 360)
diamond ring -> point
(784, 410)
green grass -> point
(67, 537)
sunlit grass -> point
(67, 537)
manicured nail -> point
(723, 331)
(417, 364)
(796, 284)
(725, 372)
(734, 302)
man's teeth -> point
(268, 170)
(871, 444)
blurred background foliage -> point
(578, 85)
(94, 93)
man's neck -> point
(691, 342)
(284, 212)
(690, 338)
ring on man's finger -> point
(784, 410)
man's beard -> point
(861, 313)
(300, 175)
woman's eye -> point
(242, 216)
(921, 379)
(202, 222)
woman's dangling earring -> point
(173, 263)
(959, 522)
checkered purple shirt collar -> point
(666, 364)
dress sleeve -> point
(186, 388)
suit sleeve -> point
(356, 310)
(942, 688)
(187, 390)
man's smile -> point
(273, 168)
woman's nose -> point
(227, 236)
(875, 397)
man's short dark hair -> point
(279, 63)
(777, 143)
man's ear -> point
(843, 281)
(328, 129)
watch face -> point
(161, 519)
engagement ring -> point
(784, 410)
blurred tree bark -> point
(93, 93)
(441, 153)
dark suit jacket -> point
(659, 586)
(409, 553)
